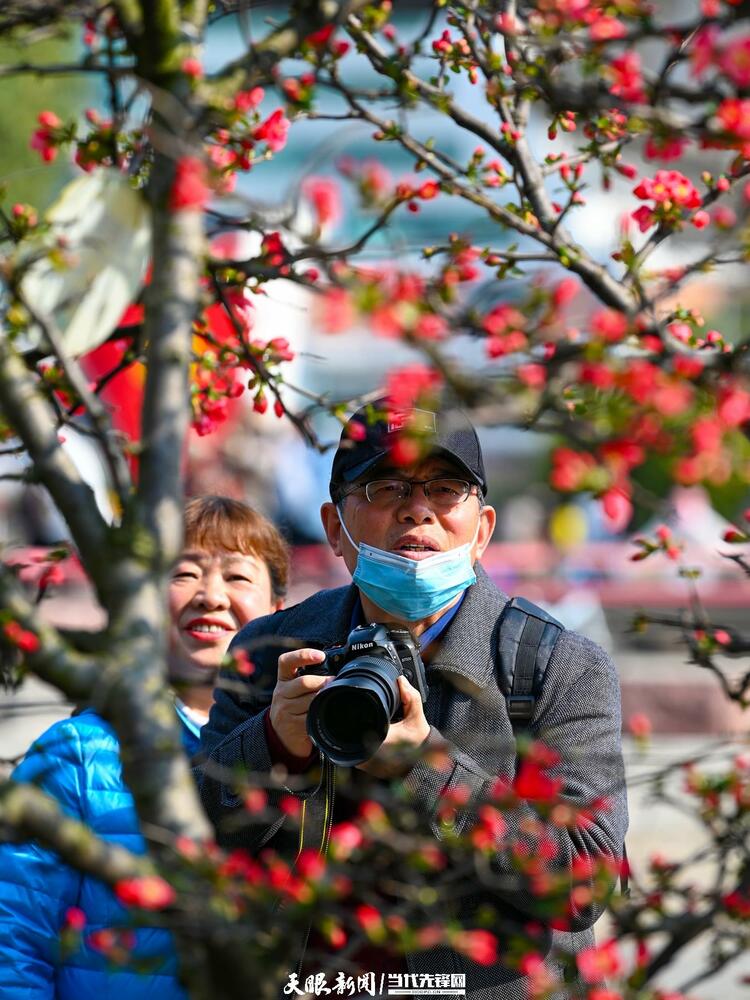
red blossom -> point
(320, 38)
(532, 783)
(598, 962)
(247, 100)
(337, 310)
(564, 292)
(369, 919)
(669, 186)
(20, 637)
(639, 725)
(617, 508)
(192, 67)
(405, 386)
(733, 117)
(734, 60)
(665, 147)
(273, 131)
(609, 324)
(148, 892)
(46, 138)
(606, 28)
(75, 919)
(189, 190)
(532, 376)
(570, 469)
(311, 865)
(325, 196)
(627, 77)
(428, 190)
(479, 946)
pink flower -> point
(644, 217)
(45, 139)
(532, 783)
(337, 310)
(609, 324)
(703, 49)
(192, 67)
(148, 892)
(564, 292)
(431, 327)
(189, 189)
(480, 946)
(733, 116)
(599, 961)
(627, 79)
(617, 508)
(735, 61)
(325, 196)
(405, 386)
(531, 375)
(669, 186)
(246, 100)
(701, 219)
(570, 469)
(666, 147)
(640, 725)
(75, 918)
(273, 131)
(24, 640)
(606, 28)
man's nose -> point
(416, 507)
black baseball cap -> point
(371, 432)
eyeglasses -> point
(441, 493)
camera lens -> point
(349, 719)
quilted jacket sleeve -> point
(36, 890)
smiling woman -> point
(233, 569)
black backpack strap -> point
(526, 637)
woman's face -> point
(212, 594)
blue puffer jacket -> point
(77, 761)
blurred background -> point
(558, 552)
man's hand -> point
(291, 699)
(396, 754)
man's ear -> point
(487, 520)
(329, 515)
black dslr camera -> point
(349, 718)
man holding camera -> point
(411, 535)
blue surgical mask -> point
(412, 589)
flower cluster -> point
(673, 195)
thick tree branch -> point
(73, 673)
(93, 406)
(31, 417)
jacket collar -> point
(470, 643)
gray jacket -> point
(578, 714)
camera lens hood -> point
(349, 719)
